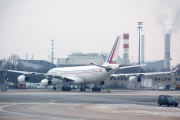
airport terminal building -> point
(81, 59)
(37, 64)
(150, 82)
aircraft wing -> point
(144, 74)
(27, 73)
(67, 79)
(123, 67)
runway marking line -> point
(29, 115)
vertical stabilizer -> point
(112, 58)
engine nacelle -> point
(23, 79)
(109, 68)
(46, 82)
(134, 79)
(56, 81)
(102, 82)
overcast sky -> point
(87, 26)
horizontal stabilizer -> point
(107, 67)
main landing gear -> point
(83, 88)
(66, 88)
(54, 87)
(95, 88)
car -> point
(167, 100)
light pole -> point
(66, 61)
(49, 58)
(140, 29)
(32, 61)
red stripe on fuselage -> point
(77, 73)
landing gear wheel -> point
(54, 88)
(96, 89)
(66, 88)
(83, 88)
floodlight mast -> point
(140, 29)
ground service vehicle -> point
(167, 100)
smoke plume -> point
(168, 15)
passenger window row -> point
(177, 79)
(118, 78)
(162, 79)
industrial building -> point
(150, 82)
(154, 65)
(81, 59)
(37, 64)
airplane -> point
(81, 75)
(137, 77)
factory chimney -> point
(167, 52)
(126, 60)
(142, 48)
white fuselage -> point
(84, 74)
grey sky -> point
(28, 26)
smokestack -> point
(167, 52)
(52, 53)
(142, 48)
(26, 57)
(126, 60)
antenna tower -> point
(52, 53)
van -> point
(167, 100)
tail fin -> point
(112, 58)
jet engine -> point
(46, 82)
(134, 79)
(56, 81)
(102, 82)
(23, 78)
(108, 68)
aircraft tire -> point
(54, 88)
(93, 89)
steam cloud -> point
(168, 15)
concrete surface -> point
(43, 104)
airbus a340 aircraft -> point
(81, 75)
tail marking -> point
(111, 55)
